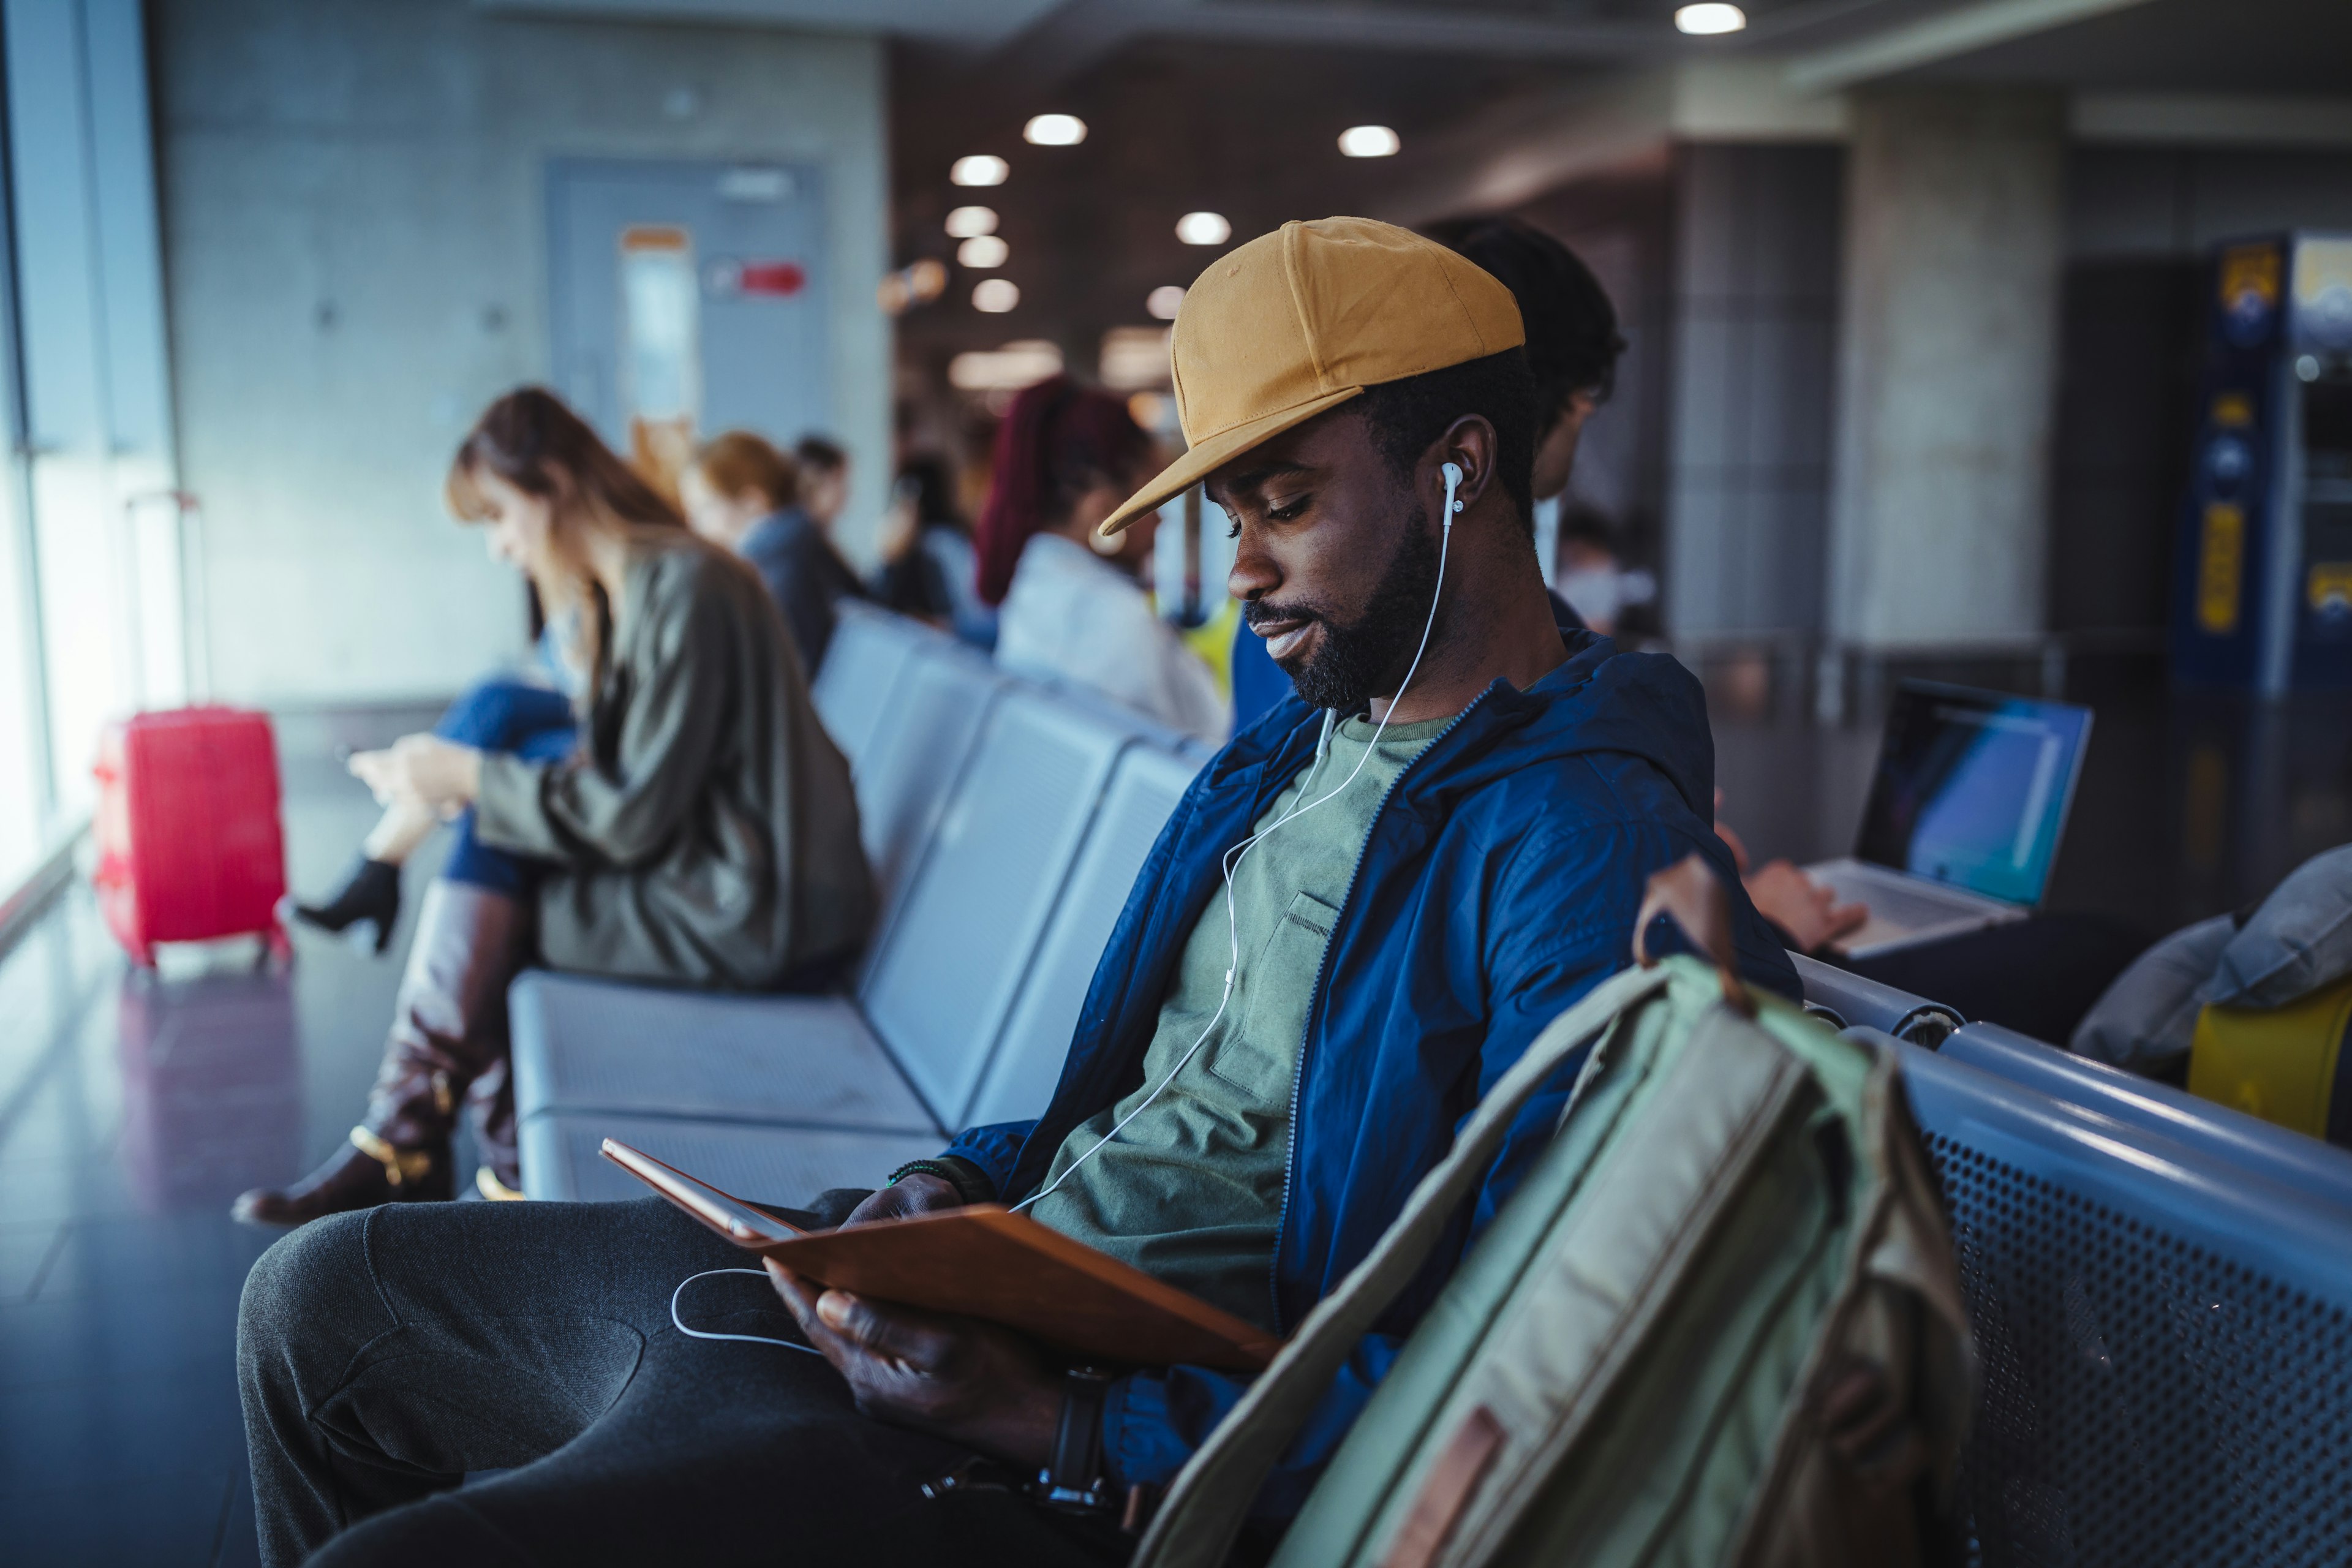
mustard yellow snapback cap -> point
(1304, 319)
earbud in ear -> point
(1453, 472)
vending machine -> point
(2263, 589)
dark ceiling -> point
(2182, 45)
(1172, 126)
(1236, 105)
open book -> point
(983, 1262)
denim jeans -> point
(503, 715)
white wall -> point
(355, 233)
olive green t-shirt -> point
(1190, 1192)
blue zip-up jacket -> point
(1497, 885)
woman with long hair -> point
(1072, 607)
(697, 827)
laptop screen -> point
(1972, 788)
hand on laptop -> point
(958, 1378)
(1808, 912)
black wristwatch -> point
(972, 1185)
(1073, 1479)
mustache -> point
(1255, 613)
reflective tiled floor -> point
(134, 1106)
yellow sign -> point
(2320, 265)
(2330, 585)
(2250, 269)
(2220, 565)
(2233, 410)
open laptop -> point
(1965, 814)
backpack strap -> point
(1196, 1526)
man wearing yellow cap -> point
(1364, 910)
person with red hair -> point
(1073, 609)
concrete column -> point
(1947, 367)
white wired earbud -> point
(1233, 858)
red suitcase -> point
(188, 841)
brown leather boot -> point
(449, 1034)
(489, 1106)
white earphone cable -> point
(1231, 859)
(679, 1323)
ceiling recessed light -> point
(1204, 228)
(1164, 301)
(1368, 141)
(979, 169)
(1054, 131)
(984, 252)
(1710, 16)
(994, 295)
(965, 222)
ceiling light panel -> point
(964, 223)
(1709, 17)
(984, 252)
(979, 169)
(1204, 228)
(1054, 131)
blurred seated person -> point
(699, 830)
(1572, 347)
(2038, 976)
(825, 480)
(1471, 770)
(1591, 577)
(740, 492)
(929, 569)
(1069, 605)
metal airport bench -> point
(1006, 822)
(2165, 1336)
(2161, 1291)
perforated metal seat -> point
(2317, 1170)
(2166, 1337)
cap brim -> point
(1215, 452)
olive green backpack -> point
(1719, 1322)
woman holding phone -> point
(698, 829)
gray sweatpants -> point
(384, 1355)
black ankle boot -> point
(372, 892)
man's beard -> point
(1367, 657)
